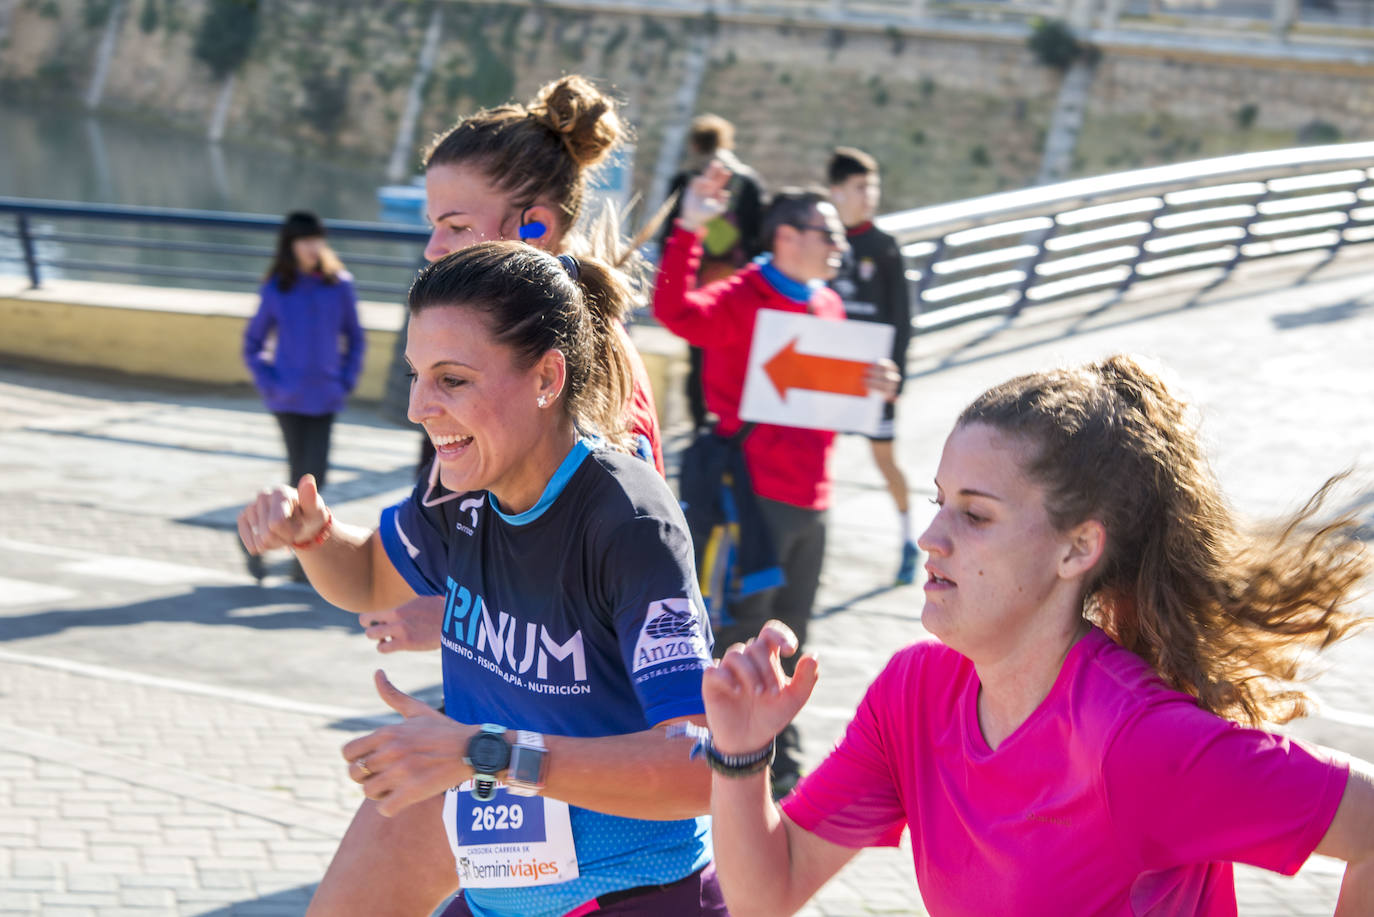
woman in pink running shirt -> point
(1081, 739)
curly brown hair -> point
(1223, 614)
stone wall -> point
(949, 116)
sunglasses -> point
(833, 235)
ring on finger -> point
(362, 766)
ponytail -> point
(605, 294)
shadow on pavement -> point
(1337, 312)
(854, 601)
(237, 397)
(1096, 305)
(258, 607)
(365, 486)
(289, 903)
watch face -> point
(488, 753)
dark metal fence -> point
(998, 254)
(230, 249)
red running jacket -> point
(787, 464)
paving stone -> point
(236, 698)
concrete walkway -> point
(169, 731)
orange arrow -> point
(788, 369)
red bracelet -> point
(320, 537)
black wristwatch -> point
(488, 755)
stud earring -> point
(543, 401)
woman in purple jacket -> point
(308, 299)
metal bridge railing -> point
(998, 254)
(39, 243)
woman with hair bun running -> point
(573, 633)
(515, 171)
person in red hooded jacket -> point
(788, 466)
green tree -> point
(226, 35)
(1054, 44)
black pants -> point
(307, 444)
(696, 397)
(799, 540)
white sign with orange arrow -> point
(808, 372)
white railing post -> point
(1285, 15)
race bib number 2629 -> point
(509, 841)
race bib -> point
(510, 841)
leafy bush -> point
(896, 41)
(1319, 131)
(653, 30)
(616, 39)
(54, 73)
(226, 35)
(1054, 44)
(1245, 115)
(96, 12)
(326, 100)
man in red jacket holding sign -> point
(788, 466)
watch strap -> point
(739, 765)
(526, 741)
(483, 787)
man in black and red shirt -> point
(872, 283)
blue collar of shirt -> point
(794, 290)
(580, 450)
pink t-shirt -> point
(1117, 796)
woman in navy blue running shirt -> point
(573, 629)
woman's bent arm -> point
(641, 775)
(351, 570)
(1351, 838)
(767, 864)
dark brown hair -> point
(790, 207)
(1222, 614)
(539, 152)
(300, 224)
(848, 161)
(709, 133)
(534, 302)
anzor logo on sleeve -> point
(671, 633)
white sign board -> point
(808, 372)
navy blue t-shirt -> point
(578, 617)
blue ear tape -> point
(531, 230)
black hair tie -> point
(571, 266)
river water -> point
(67, 155)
